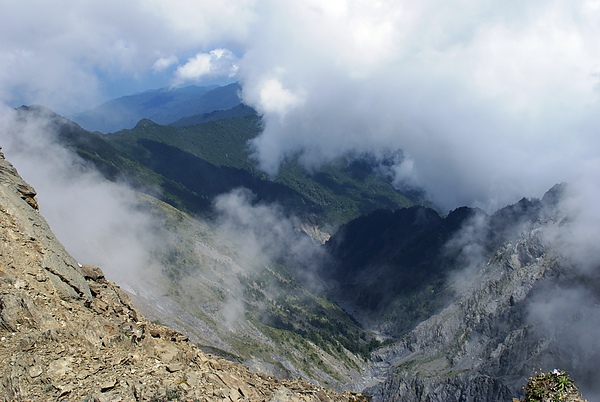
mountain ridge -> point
(484, 343)
(218, 152)
(164, 106)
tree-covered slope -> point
(214, 157)
(391, 267)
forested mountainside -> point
(187, 166)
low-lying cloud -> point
(489, 102)
(273, 254)
(99, 222)
(263, 233)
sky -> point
(489, 101)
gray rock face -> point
(484, 345)
(19, 209)
(467, 351)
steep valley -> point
(403, 304)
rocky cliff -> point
(66, 333)
(503, 323)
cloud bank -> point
(488, 100)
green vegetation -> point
(554, 386)
(187, 166)
(293, 310)
(196, 163)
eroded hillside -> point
(66, 333)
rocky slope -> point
(66, 333)
(503, 323)
(228, 284)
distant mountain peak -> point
(145, 123)
(163, 106)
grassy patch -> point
(554, 386)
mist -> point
(110, 225)
(561, 312)
(100, 222)
(569, 311)
(264, 236)
(568, 316)
(263, 232)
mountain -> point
(240, 110)
(214, 157)
(402, 302)
(190, 165)
(69, 334)
(163, 106)
(391, 267)
(237, 279)
(477, 302)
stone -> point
(92, 272)
(35, 371)
(107, 385)
(174, 367)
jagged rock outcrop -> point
(68, 334)
(484, 344)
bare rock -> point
(92, 272)
(30, 238)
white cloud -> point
(216, 63)
(274, 98)
(263, 232)
(164, 62)
(491, 100)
